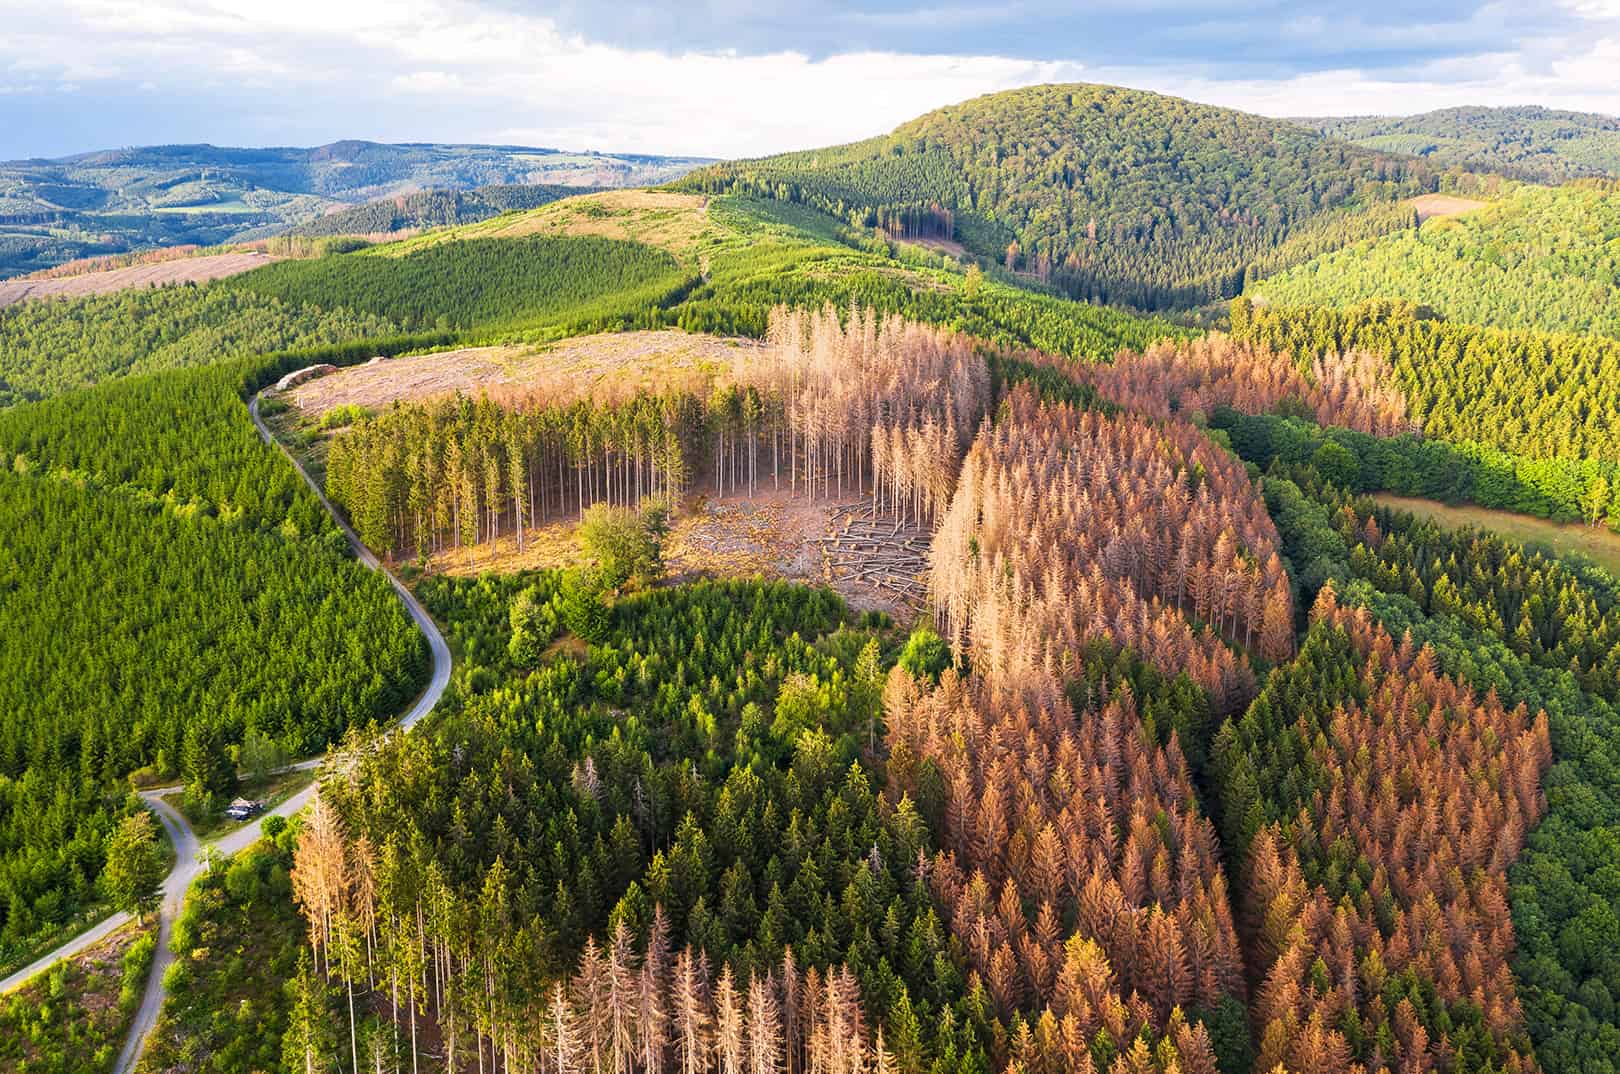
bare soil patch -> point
(180, 270)
(868, 557)
(1429, 206)
(624, 361)
(944, 246)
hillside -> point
(1537, 258)
(1540, 144)
(612, 260)
(1111, 194)
(845, 654)
(122, 199)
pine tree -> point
(309, 1045)
(133, 874)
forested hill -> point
(1541, 144)
(1112, 194)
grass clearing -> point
(1601, 546)
(677, 223)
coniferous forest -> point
(1112, 195)
(1193, 755)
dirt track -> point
(182, 270)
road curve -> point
(186, 846)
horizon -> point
(609, 151)
(76, 75)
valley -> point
(980, 599)
(53, 211)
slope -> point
(1538, 258)
(1540, 144)
(1112, 194)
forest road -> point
(187, 849)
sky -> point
(726, 78)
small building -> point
(243, 808)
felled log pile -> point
(868, 545)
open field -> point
(1429, 206)
(180, 270)
(1600, 545)
(623, 360)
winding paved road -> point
(186, 846)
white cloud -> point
(464, 70)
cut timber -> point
(868, 545)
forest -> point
(802, 851)
(1564, 490)
(1511, 628)
(168, 586)
(1199, 761)
(1537, 258)
(1112, 195)
(1535, 394)
(50, 347)
(541, 287)
(491, 283)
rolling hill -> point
(122, 199)
(1111, 194)
(1539, 144)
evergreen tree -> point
(133, 875)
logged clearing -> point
(612, 361)
(944, 246)
(1600, 545)
(678, 223)
(866, 556)
(180, 270)
(1429, 206)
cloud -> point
(729, 78)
